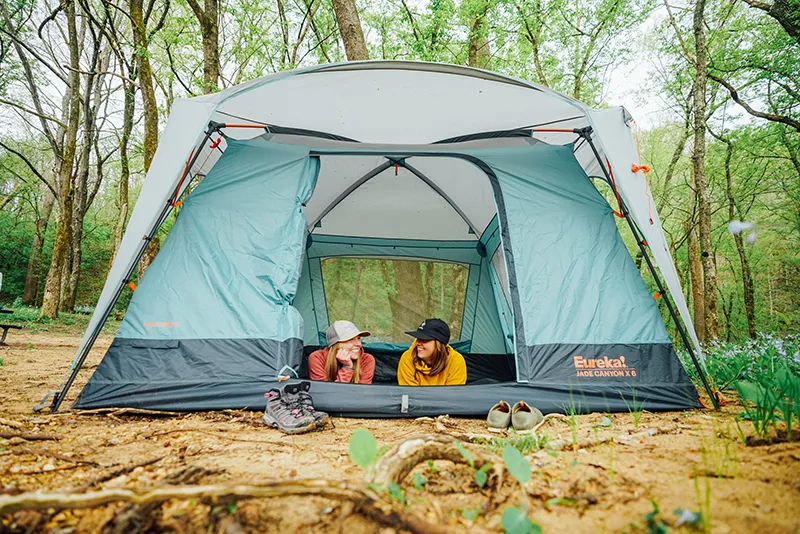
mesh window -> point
(389, 297)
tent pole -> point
(586, 133)
(77, 363)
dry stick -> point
(365, 501)
(12, 424)
(29, 437)
(122, 411)
(43, 471)
(178, 430)
(118, 472)
(38, 452)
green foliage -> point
(465, 453)
(419, 480)
(397, 493)
(480, 474)
(524, 443)
(363, 448)
(515, 521)
(470, 514)
(517, 464)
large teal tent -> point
(393, 161)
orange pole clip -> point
(637, 168)
(645, 243)
(396, 168)
(657, 295)
(132, 286)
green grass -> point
(67, 324)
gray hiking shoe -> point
(308, 405)
(499, 417)
(525, 417)
(284, 411)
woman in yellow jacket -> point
(431, 361)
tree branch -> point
(30, 166)
(768, 116)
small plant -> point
(419, 480)
(703, 502)
(653, 520)
(719, 454)
(470, 514)
(515, 521)
(363, 448)
(480, 474)
(515, 518)
(524, 443)
(397, 493)
(635, 407)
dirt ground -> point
(691, 460)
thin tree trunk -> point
(356, 290)
(208, 18)
(695, 274)
(747, 279)
(31, 292)
(698, 163)
(129, 108)
(52, 289)
(350, 29)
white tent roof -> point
(393, 104)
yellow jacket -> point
(410, 373)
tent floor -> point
(359, 400)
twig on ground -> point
(12, 424)
(42, 471)
(585, 443)
(122, 411)
(29, 437)
(118, 472)
(39, 452)
(366, 502)
(216, 435)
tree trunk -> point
(457, 305)
(31, 293)
(52, 289)
(350, 29)
(699, 167)
(478, 48)
(210, 47)
(129, 108)
(150, 107)
(145, 82)
(747, 279)
(696, 277)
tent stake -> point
(586, 133)
(80, 358)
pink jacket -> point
(316, 368)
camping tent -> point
(392, 160)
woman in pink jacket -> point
(344, 359)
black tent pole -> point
(60, 394)
(586, 133)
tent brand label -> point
(602, 367)
(149, 323)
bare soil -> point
(694, 460)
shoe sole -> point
(271, 421)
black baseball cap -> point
(432, 329)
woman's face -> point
(353, 346)
(425, 349)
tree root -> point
(586, 443)
(29, 437)
(118, 472)
(364, 501)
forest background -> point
(86, 86)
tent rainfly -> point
(392, 160)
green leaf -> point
(480, 474)
(465, 453)
(396, 492)
(554, 454)
(363, 448)
(470, 514)
(517, 464)
(573, 463)
(419, 480)
(605, 422)
(515, 521)
(432, 467)
(751, 392)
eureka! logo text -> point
(602, 367)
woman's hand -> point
(344, 356)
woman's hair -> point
(439, 361)
(332, 365)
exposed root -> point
(119, 472)
(588, 442)
(364, 501)
(113, 412)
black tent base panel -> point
(387, 401)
